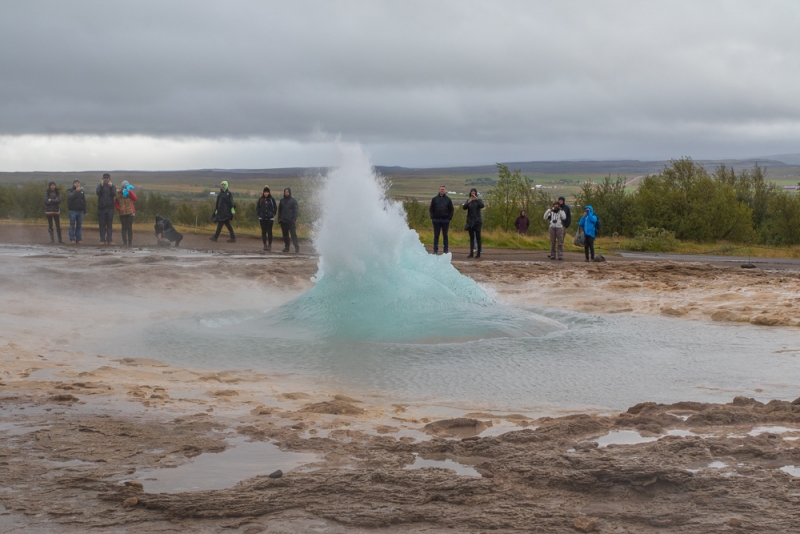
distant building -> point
(791, 187)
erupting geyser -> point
(376, 282)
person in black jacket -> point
(474, 205)
(266, 208)
(166, 233)
(564, 206)
(106, 192)
(52, 210)
(441, 212)
(76, 204)
(226, 209)
(288, 211)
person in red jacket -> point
(123, 202)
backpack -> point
(597, 225)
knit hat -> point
(266, 189)
(106, 175)
(125, 183)
(51, 183)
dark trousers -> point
(440, 225)
(287, 229)
(226, 224)
(126, 221)
(104, 219)
(57, 220)
(588, 246)
(266, 231)
(475, 238)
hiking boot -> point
(72, 242)
(109, 243)
(285, 249)
(231, 240)
(60, 242)
(560, 259)
(266, 247)
(478, 255)
(178, 242)
(296, 250)
(471, 255)
(102, 243)
(269, 247)
(213, 238)
(79, 242)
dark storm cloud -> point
(576, 79)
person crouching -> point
(167, 233)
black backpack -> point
(597, 225)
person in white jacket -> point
(556, 216)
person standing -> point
(562, 202)
(266, 210)
(522, 223)
(106, 192)
(441, 212)
(589, 224)
(556, 216)
(52, 210)
(76, 204)
(288, 211)
(223, 215)
(474, 205)
(123, 202)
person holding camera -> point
(556, 216)
(474, 205)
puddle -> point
(713, 465)
(444, 463)
(770, 430)
(684, 417)
(681, 433)
(623, 437)
(242, 460)
(498, 429)
(18, 429)
(792, 470)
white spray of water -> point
(375, 279)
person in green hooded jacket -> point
(226, 209)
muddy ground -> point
(75, 426)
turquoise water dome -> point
(375, 280)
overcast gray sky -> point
(190, 84)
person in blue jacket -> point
(589, 224)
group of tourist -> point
(559, 216)
(122, 200)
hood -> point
(289, 189)
(591, 209)
(159, 218)
(223, 185)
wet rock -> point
(636, 409)
(294, 395)
(746, 401)
(585, 524)
(748, 266)
(455, 427)
(345, 398)
(261, 410)
(225, 393)
(335, 407)
(64, 398)
(135, 485)
(735, 522)
(130, 502)
(276, 474)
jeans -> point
(266, 231)
(475, 238)
(440, 225)
(556, 235)
(287, 229)
(76, 225)
(104, 218)
(126, 221)
(588, 246)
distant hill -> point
(789, 159)
(623, 167)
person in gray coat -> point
(288, 211)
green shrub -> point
(653, 240)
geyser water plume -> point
(375, 280)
